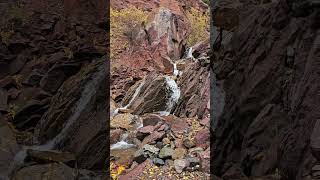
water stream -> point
(87, 94)
(189, 54)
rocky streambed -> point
(160, 129)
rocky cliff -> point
(53, 86)
(160, 98)
(267, 66)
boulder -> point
(8, 148)
(56, 171)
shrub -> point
(199, 25)
(5, 36)
(124, 26)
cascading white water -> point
(87, 94)
(175, 70)
(189, 55)
(122, 144)
(174, 90)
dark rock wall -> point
(271, 79)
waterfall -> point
(174, 90)
(175, 70)
(189, 55)
(88, 92)
(122, 144)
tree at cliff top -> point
(199, 26)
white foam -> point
(189, 55)
(175, 70)
(174, 93)
(121, 145)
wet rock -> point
(122, 121)
(151, 95)
(3, 99)
(166, 152)
(179, 153)
(115, 135)
(158, 161)
(39, 172)
(49, 156)
(180, 165)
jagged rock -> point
(195, 91)
(152, 95)
(74, 112)
(180, 165)
(166, 152)
(23, 117)
(146, 129)
(151, 149)
(140, 156)
(266, 119)
(55, 77)
(153, 137)
(115, 135)
(202, 138)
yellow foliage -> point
(199, 24)
(116, 170)
(124, 25)
(5, 36)
(12, 110)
